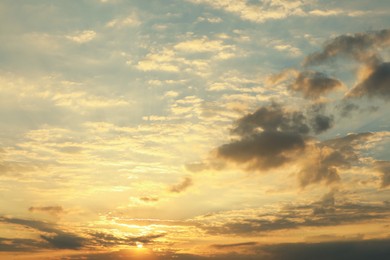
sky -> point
(195, 129)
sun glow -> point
(139, 245)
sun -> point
(139, 245)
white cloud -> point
(131, 20)
(82, 36)
(269, 9)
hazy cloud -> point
(384, 168)
(322, 213)
(182, 186)
(149, 199)
(53, 210)
(314, 84)
(110, 240)
(245, 244)
(347, 108)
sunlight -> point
(139, 245)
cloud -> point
(346, 108)
(263, 151)
(20, 245)
(182, 186)
(322, 213)
(314, 84)
(360, 46)
(377, 84)
(128, 21)
(318, 120)
(267, 10)
(53, 210)
(202, 45)
(324, 160)
(148, 199)
(384, 168)
(50, 233)
(109, 240)
(245, 244)
(357, 250)
(82, 36)
(273, 136)
(65, 241)
(271, 118)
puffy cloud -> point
(360, 46)
(324, 160)
(263, 151)
(271, 118)
(314, 84)
(318, 120)
(377, 84)
(273, 136)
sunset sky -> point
(195, 129)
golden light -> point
(139, 245)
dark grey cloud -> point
(337, 250)
(244, 244)
(360, 46)
(65, 241)
(273, 136)
(182, 186)
(322, 213)
(318, 120)
(53, 210)
(340, 250)
(320, 123)
(384, 168)
(54, 237)
(269, 138)
(314, 85)
(377, 84)
(109, 240)
(272, 118)
(20, 245)
(265, 150)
